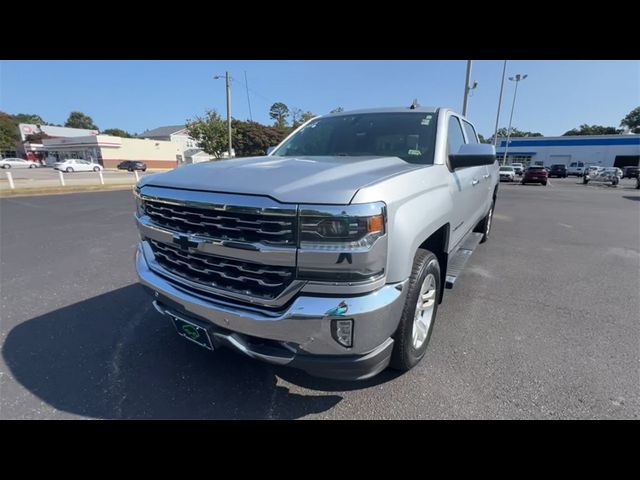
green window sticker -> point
(414, 152)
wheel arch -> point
(438, 244)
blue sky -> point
(137, 95)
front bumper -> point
(300, 335)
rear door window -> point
(470, 131)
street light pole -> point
(228, 84)
(495, 134)
(516, 79)
(467, 88)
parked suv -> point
(330, 254)
(558, 170)
(535, 175)
(631, 172)
(132, 165)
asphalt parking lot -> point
(543, 323)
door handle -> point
(486, 176)
(475, 181)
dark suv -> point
(630, 172)
(558, 170)
(535, 175)
(132, 165)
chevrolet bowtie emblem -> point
(184, 242)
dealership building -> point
(109, 151)
(601, 150)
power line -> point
(253, 92)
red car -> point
(535, 175)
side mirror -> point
(473, 155)
(271, 149)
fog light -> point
(342, 331)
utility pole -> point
(228, 78)
(495, 134)
(467, 88)
(228, 82)
(516, 79)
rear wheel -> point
(69, 170)
(96, 169)
(585, 180)
(32, 166)
(418, 316)
(544, 184)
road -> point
(543, 323)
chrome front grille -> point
(242, 225)
(254, 280)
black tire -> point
(96, 169)
(130, 169)
(69, 170)
(405, 356)
(544, 184)
(32, 166)
(614, 182)
(6, 166)
(585, 180)
(144, 169)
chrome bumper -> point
(304, 327)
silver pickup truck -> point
(329, 254)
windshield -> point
(506, 169)
(407, 135)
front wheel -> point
(419, 312)
(32, 166)
(6, 165)
(585, 180)
(69, 170)
(96, 169)
(544, 184)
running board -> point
(459, 259)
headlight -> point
(347, 227)
(342, 243)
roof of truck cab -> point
(386, 110)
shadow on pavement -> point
(114, 356)
(637, 199)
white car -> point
(73, 165)
(507, 174)
(17, 163)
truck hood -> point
(328, 180)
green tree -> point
(80, 120)
(585, 129)
(482, 139)
(337, 110)
(117, 132)
(306, 116)
(210, 132)
(29, 118)
(279, 112)
(253, 138)
(9, 134)
(298, 117)
(632, 120)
